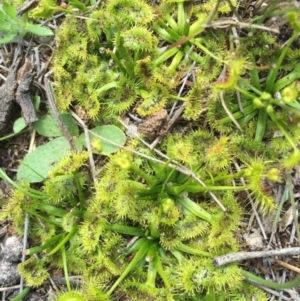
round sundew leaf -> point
(35, 166)
(19, 125)
(109, 132)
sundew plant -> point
(150, 223)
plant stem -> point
(255, 78)
(80, 191)
(244, 92)
(237, 115)
(194, 208)
(269, 87)
(261, 125)
(193, 251)
(226, 177)
(206, 51)
(65, 240)
(46, 245)
(107, 87)
(52, 210)
(161, 272)
(26, 190)
(24, 292)
(295, 211)
(151, 274)
(198, 188)
(140, 255)
(285, 81)
(134, 168)
(166, 55)
(65, 267)
(180, 17)
(128, 230)
(280, 286)
(284, 132)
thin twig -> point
(284, 198)
(25, 239)
(8, 288)
(177, 113)
(221, 94)
(238, 256)
(50, 98)
(26, 222)
(227, 23)
(88, 144)
(212, 13)
(27, 5)
(288, 266)
(291, 195)
(175, 116)
(53, 18)
(45, 67)
(251, 202)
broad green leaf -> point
(79, 5)
(19, 125)
(110, 132)
(10, 10)
(35, 166)
(295, 104)
(7, 38)
(70, 123)
(47, 126)
(38, 30)
(7, 28)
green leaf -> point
(7, 38)
(79, 5)
(35, 166)
(19, 125)
(70, 123)
(7, 27)
(110, 132)
(38, 30)
(48, 127)
(194, 208)
(9, 10)
(36, 100)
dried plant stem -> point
(52, 105)
(263, 232)
(27, 5)
(233, 257)
(88, 144)
(230, 22)
(221, 94)
(288, 266)
(175, 116)
(26, 222)
(291, 195)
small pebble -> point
(12, 249)
(9, 274)
(254, 241)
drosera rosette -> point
(167, 225)
(249, 97)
